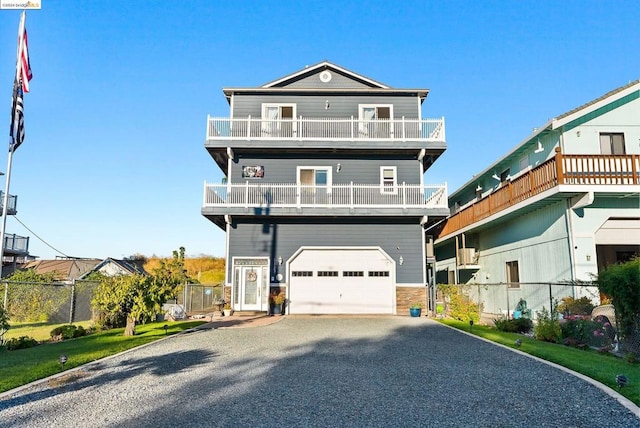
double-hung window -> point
(388, 179)
(513, 274)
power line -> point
(41, 240)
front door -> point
(250, 288)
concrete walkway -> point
(318, 371)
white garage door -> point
(343, 281)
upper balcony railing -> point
(16, 244)
(292, 195)
(11, 202)
(424, 130)
(596, 170)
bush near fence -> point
(559, 317)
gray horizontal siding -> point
(283, 240)
(313, 106)
(338, 81)
(358, 171)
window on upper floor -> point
(388, 179)
(375, 120)
(277, 120)
(513, 274)
(612, 143)
(314, 177)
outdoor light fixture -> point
(280, 261)
(326, 105)
(479, 188)
(338, 167)
(166, 327)
(621, 380)
(63, 359)
(401, 260)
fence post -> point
(550, 300)
(72, 304)
(508, 306)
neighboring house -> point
(16, 248)
(116, 267)
(66, 270)
(559, 207)
(324, 196)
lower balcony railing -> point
(16, 244)
(559, 170)
(334, 196)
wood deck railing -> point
(559, 170)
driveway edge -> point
(611, 392)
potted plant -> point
(415, 309)
(227, 310)
(276, 302)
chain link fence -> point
(599, 328)
(49, 302)
(199, 299)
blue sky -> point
(114, 163)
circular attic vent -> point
(325, 76)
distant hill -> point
(205, 270)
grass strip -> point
(22, 366)
(601, 367)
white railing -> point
(326, 129)
(338, 195)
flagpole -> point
(5, 200)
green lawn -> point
(40, 331)
(601, 367)
(26, 365)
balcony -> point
(566, 173)
(16, 245)
(350, 196)
(329, 129)
(11, 203)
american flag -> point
(16, 132)
(25, 65)
(20, 86)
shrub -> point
(21, 342)
(460, 306)
(622, 283)
(571, 306)
(68, 331)
(547, 328)
(520, 325)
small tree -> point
(621, 282)
(127, 300)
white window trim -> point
(316, 168)
(267, 105)
(386, 190)
(361, 120)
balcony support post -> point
(559, 166)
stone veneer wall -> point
(406, 296)
(227, 294)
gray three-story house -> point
(324, 196)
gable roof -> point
(65, 269)
(324, 65)
(568, 119)
(127, 266)
(280, 85)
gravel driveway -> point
(319, 371)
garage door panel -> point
(352, 291)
